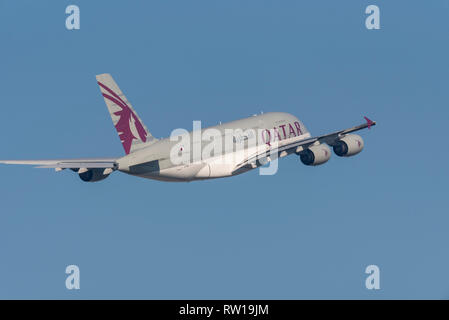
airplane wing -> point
(87, 163)
(330, 139)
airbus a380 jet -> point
(276, 134)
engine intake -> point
(93, 175)
(349, 145)
(315, 155)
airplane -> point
(278, 134)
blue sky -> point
(306, 232)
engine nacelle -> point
(349, 145)
(93, 175)
(315, 155)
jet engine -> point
(315, 155)
(349, 145)
(93, 175)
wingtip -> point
(369, 122)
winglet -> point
(369, 122)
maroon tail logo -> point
(123, 125)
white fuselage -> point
(209, 156)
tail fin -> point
(131, 130)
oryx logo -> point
(128, 120)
